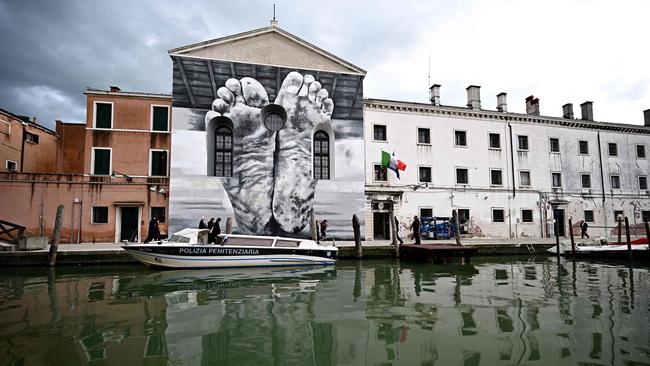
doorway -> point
(381, 226)
(558, 215)
(129, 223)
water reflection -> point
(370, 312)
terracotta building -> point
(111, 173)
(26, 146)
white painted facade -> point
(410, 195)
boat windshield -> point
(244, 241)
(179, 239)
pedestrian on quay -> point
(154, 230)
(583, 229)
(397, 231)
(202, 224)
(323, 229)
(415, 226)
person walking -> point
(323, 229)
(583, 229)
(397, 231)
(154, 230)
(415, 226)
(202, 224)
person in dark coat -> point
(210, 223)
(323, 229)
(202, 224)
(211, 236)
(154, 230)
(415, 226)
(583, 229)
(397, 231)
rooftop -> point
(119, 92)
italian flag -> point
(390, 161)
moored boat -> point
(189, 248)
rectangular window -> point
(615, 180)
(522, 142)
(645, 215)
(524, 178)
(460, 138)
(643, 182)
(103, 115)
(498, 215)
(11, 165)
(462, 176)
(424, 136)
(526, 215)
(158, 163)
(617, 214)
(158, 212)
(425, 174)
(612, 149)
(160, 118)
(31, 137)
(494, 140)
(586, 180)
(583, 147)
(556, 180)
(640, 151)
(589, 215)
(380, 173)
(379, 132)
(100, 215)
(426, 212)
(496, 177)
(101, 161)
(554, 145)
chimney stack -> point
(502, 105)
(115, 89)
(646, 118)
(587, 111)
(434, 94)
(532, 105)
(567, 110)
(473, 97)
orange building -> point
(26, 146)
(111, 173)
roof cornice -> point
(90, 91)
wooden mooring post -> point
(393, 231)
(358, 251)
(557, 238)
(619, 229)
(647, 233)
(229, 225)
(313, 227)
(573, 242)
(627, 238)
(54, 246)
(454, 216)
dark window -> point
(495, 141)
(556, 180)
(462, 176)
(223, 151)
(158, 212)
(160, 119)
(463, 219)
(640, 151)
(380, 173)
(616, 181)
(618, 213)
(589, 215)
(612, 148)
(425, 174)
(498, 215)
(522, 143)
(524, 178)
(11, 165)
(321, 155)
(586, 181)
(426, 212)
(554, 145)
(159, 163)
(379, 132)
(424, 136)
(103, 115)
(526, 215)
(31, 137)
(496, 178)
(643, 182)
(584, 147)
(460, 138)
(645, 215)
(100, 215)
(102, 164)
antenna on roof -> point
(273, 21)
(429, 80)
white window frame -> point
(110, 161)
(430, 173)
(490, 141)
(492, 214)
(579, 153)
(636, 151)
(559, 150)
(92, 217)
(466, 139)
(552, 183)
(150, 161)
(7, 165)
(492, 183)
(529, 178)
(417, 135)
(373, 132)
(151, 118)
(581, 185)
(608, 151)
(374, 178)
(456, 176)
(611, 177)
(532, 216)
(527, 143)
(95, 114)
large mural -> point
(247, 138)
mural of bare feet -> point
(272, 188)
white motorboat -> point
(189, 248)
(601, 248)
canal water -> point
(370, 312)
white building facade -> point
(508, 175)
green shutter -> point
(102, 162)
(159, 163)
(160, 118)
(103, 115)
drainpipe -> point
(512, 162)
(602, 182)
(22, 147)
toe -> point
(328, 106)
(306, 82)
(254, 93)
(226, 95)
(321, 95)
(220, 106)
(235, 87)
(314, 89)
(291, 84)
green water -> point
(375, 312)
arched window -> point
(321, 155)
(222, 151)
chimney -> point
(567, 110)
(115, 89)
(473, 97)
(532, 105)
(587, 111)
(502, 105)
(434, 94)
(646, 118)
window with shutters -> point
(103, 115)
(321, 155)
(101, 161)
(223, 151)
(159, 118)
(158, 163)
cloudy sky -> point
(560, 51)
